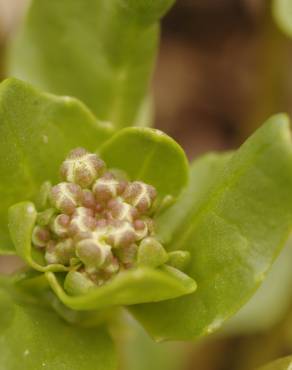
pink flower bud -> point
(107, 187)
(82, 167)
(121, 234)
(82, 221)
(140, 195)
(92, 252)
(60, 224)
(40, 236)
(66, 197)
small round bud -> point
(88, 199)
(128, 255)
(121, 234)
(50, 255)
(77, 283)
(141, 229)
(179, 259)
(140, 195)
(151, 253)
(40, 236)
(117, 209)
(92, 253)
(82, 167)
(107, 187)
(66, 197)
(82, 221)
(60, 224)
(44, 218)
(112, 266)
(64, 251)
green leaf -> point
(140, 352)
(275, 293)
(282, 11)
(148, 155)
(128, 287)
(22, 219)
(36, 132)
(233, 235)
(99, 51)
(281, 364)
(36, 338)
(203, 175)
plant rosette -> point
(106, 218)
(95, 230)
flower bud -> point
(66, 197)
(88, 199)
(40, 236)
(179, 259)
(111, 267)
(82, 221)
(44, 218)
(151, 253)
(92, 252)
(141, 229)
(64, 251)
(128, 255)
(50, 254)
(60, 224)
(140, 195)
(107, 187)
(82, 167)
(77, 283)
(121, 234)
(117, 209)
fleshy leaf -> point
(148, 155)
(37, 130)
(99, 51)
(275, 293)
(128, 287)
(281, 364)
(22, 219)
(203, 175)
(35, 338)
(282, 11)
(140, 352)
(233, 235)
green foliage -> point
(148, 155)
(275, 293)
(99, 51)
(130, 287)
(230, 221)
(33, 337)
(282, 11)
(281, 364)
(36, 132)
(233, 232)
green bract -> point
(99, 51)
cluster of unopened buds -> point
(96, 223)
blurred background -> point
(223, 67)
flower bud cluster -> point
(96, 222)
